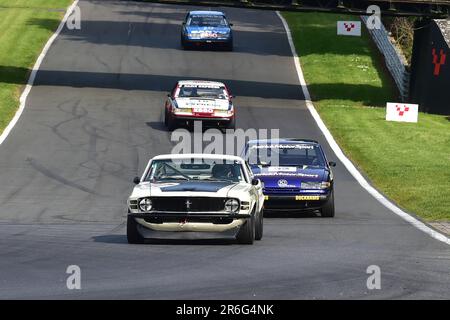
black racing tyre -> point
(166, 122)
(171, 123)
(327, 210)
(229, 46)
(259, 226)
(232, 124)
(186, 45)
(246, 234)
(133, 235)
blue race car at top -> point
(295, 174)
(206, 28)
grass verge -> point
(25, 27)
(408, 162)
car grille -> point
(196, 204)
(271, 190)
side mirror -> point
(230, 24)
(169, 95)
(232, 96)
(183, 23)
(332, 164)
(255, 182)
(137, 180)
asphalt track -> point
(92, 122)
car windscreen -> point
(299, 155)
(188, 169)
(207, 21)
(202, 92)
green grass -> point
(25, 27)
(408, 162)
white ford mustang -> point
(183, 196)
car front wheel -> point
(259, 226)
(327, 210)
(133, 235)
(246, 234)
(232, 124)
(169, 121)
(229, 46)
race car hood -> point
(191, 188)
(216, 104)
(293, 176)
(212, 30)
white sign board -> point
(402, 112)
(349, 28)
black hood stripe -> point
(197, 186)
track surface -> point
(92, 122)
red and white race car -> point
(194, 100)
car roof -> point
(284, 140)
(205, 12)
(199, 156)
(201, 83)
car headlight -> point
(232, 205)
(315, 185)
(182, 110)
(145, 205)
(194, 35)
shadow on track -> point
(122, 239)
(149, 34)
(157, 125)
(368, 94)
(149, 82)
(292, 214)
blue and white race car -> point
(295, 174)
(206, 28)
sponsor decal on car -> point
(202, 110)
(285, 169)
(282, 146)
(202, 85)
(208, 34)
(282, 183)
(307, 197)
(290, 174)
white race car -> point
(207, 101)
(184, 196)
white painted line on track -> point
(347, 163)
(26, 91)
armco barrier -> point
(395, 62)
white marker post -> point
(402, 112)
(349, 28)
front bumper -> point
(186, 232)
(169, 215)
(302, 202)
(207, 120)
(208, 41)
(192, 225)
